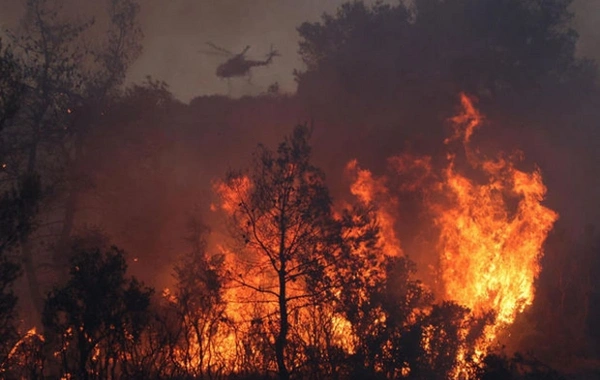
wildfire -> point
(491, 231)
(261, 292)
(17, 355)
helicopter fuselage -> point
(235, 67)
(238, 65)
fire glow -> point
(488, 250)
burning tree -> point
(282, 213)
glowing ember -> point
(28, 335)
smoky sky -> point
(175, 31)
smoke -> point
(176, 30)
(586, 21)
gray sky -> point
(175, 30)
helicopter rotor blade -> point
(219, 48)
(214, 53)
(273, 52)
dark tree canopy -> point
(17, 210)
(399, 54)
(54, 88)
(97, 314)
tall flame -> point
(491, 233)
(491, 230)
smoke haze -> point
(154, 157)
(176, 30)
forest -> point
(423, 206)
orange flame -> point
(374, 192)
(250, 299)
(490, 248)
(491, 231)
(465, 123)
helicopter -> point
(238, 65)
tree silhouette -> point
(398, 64)
(17, 211)
(285, 220)
(476, 46)
(382, 303)
(12, 86)
(62, 87)
(97, 314)
(517, 367)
